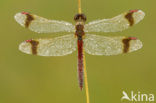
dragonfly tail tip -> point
(81, 87)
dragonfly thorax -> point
(79, 30)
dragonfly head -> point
(80, 17)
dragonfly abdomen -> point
(80, 61)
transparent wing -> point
(42, 25)
(118, 23)
(58, 46)
(101, 45)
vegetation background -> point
(33, 79)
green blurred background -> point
(33, 79)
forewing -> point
(118, 23)
(101, 45)
(58, 46)
(42, 25)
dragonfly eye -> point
(80, 17)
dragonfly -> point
(81, 36)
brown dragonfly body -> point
(80, 20)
